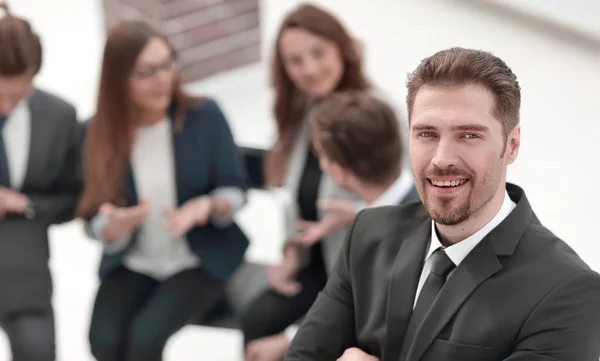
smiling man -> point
(470, 273)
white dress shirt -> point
(459, 251)
(17, 137)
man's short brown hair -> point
(459, 66)
(360, 133)
(20, 46)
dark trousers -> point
(31, 335)
(134, 315)
(271, 312)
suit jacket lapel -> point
(131, 197)
(180, 156)
(478, 266)
(41, 128)
(402, 287)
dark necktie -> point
(441, 266)
(4, 172)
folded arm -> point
(226, 202)
(95, 229)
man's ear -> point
(513, 144)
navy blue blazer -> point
(206, 158)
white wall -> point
(561, 84)
(72, 34)
(580, 15)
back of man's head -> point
(360, 133)
(20, 46)
(20, 59)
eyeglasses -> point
(149, 71)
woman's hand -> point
(195, 212)
(122, 220)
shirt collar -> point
(459, 251)
(397, 191)
(16, 115)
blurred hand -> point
(12, 202)
(356, 354)
(122, 221)
(194, 212)
(271, 348)
(338, 214)
(282, 277)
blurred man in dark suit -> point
(39, 186)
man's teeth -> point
(453, 183)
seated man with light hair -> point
(358, 141)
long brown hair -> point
(110, 133)
(20, 46)
(290, 102)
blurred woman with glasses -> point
(163, 180)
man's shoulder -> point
(410, 213)
(375, 238)
(547, 265)
(394, 222)
(551, 251)
(52, 101)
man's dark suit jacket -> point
(52, 183)
(521, 294)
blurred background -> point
(552, 45)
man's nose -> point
(446, 155)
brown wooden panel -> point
(210, 36)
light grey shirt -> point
(156, 253)
(396, 192)
(17, 135)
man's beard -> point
(481, 192)
(449, 216)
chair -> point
(253, 160)
(249, 281)
(251, 278)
